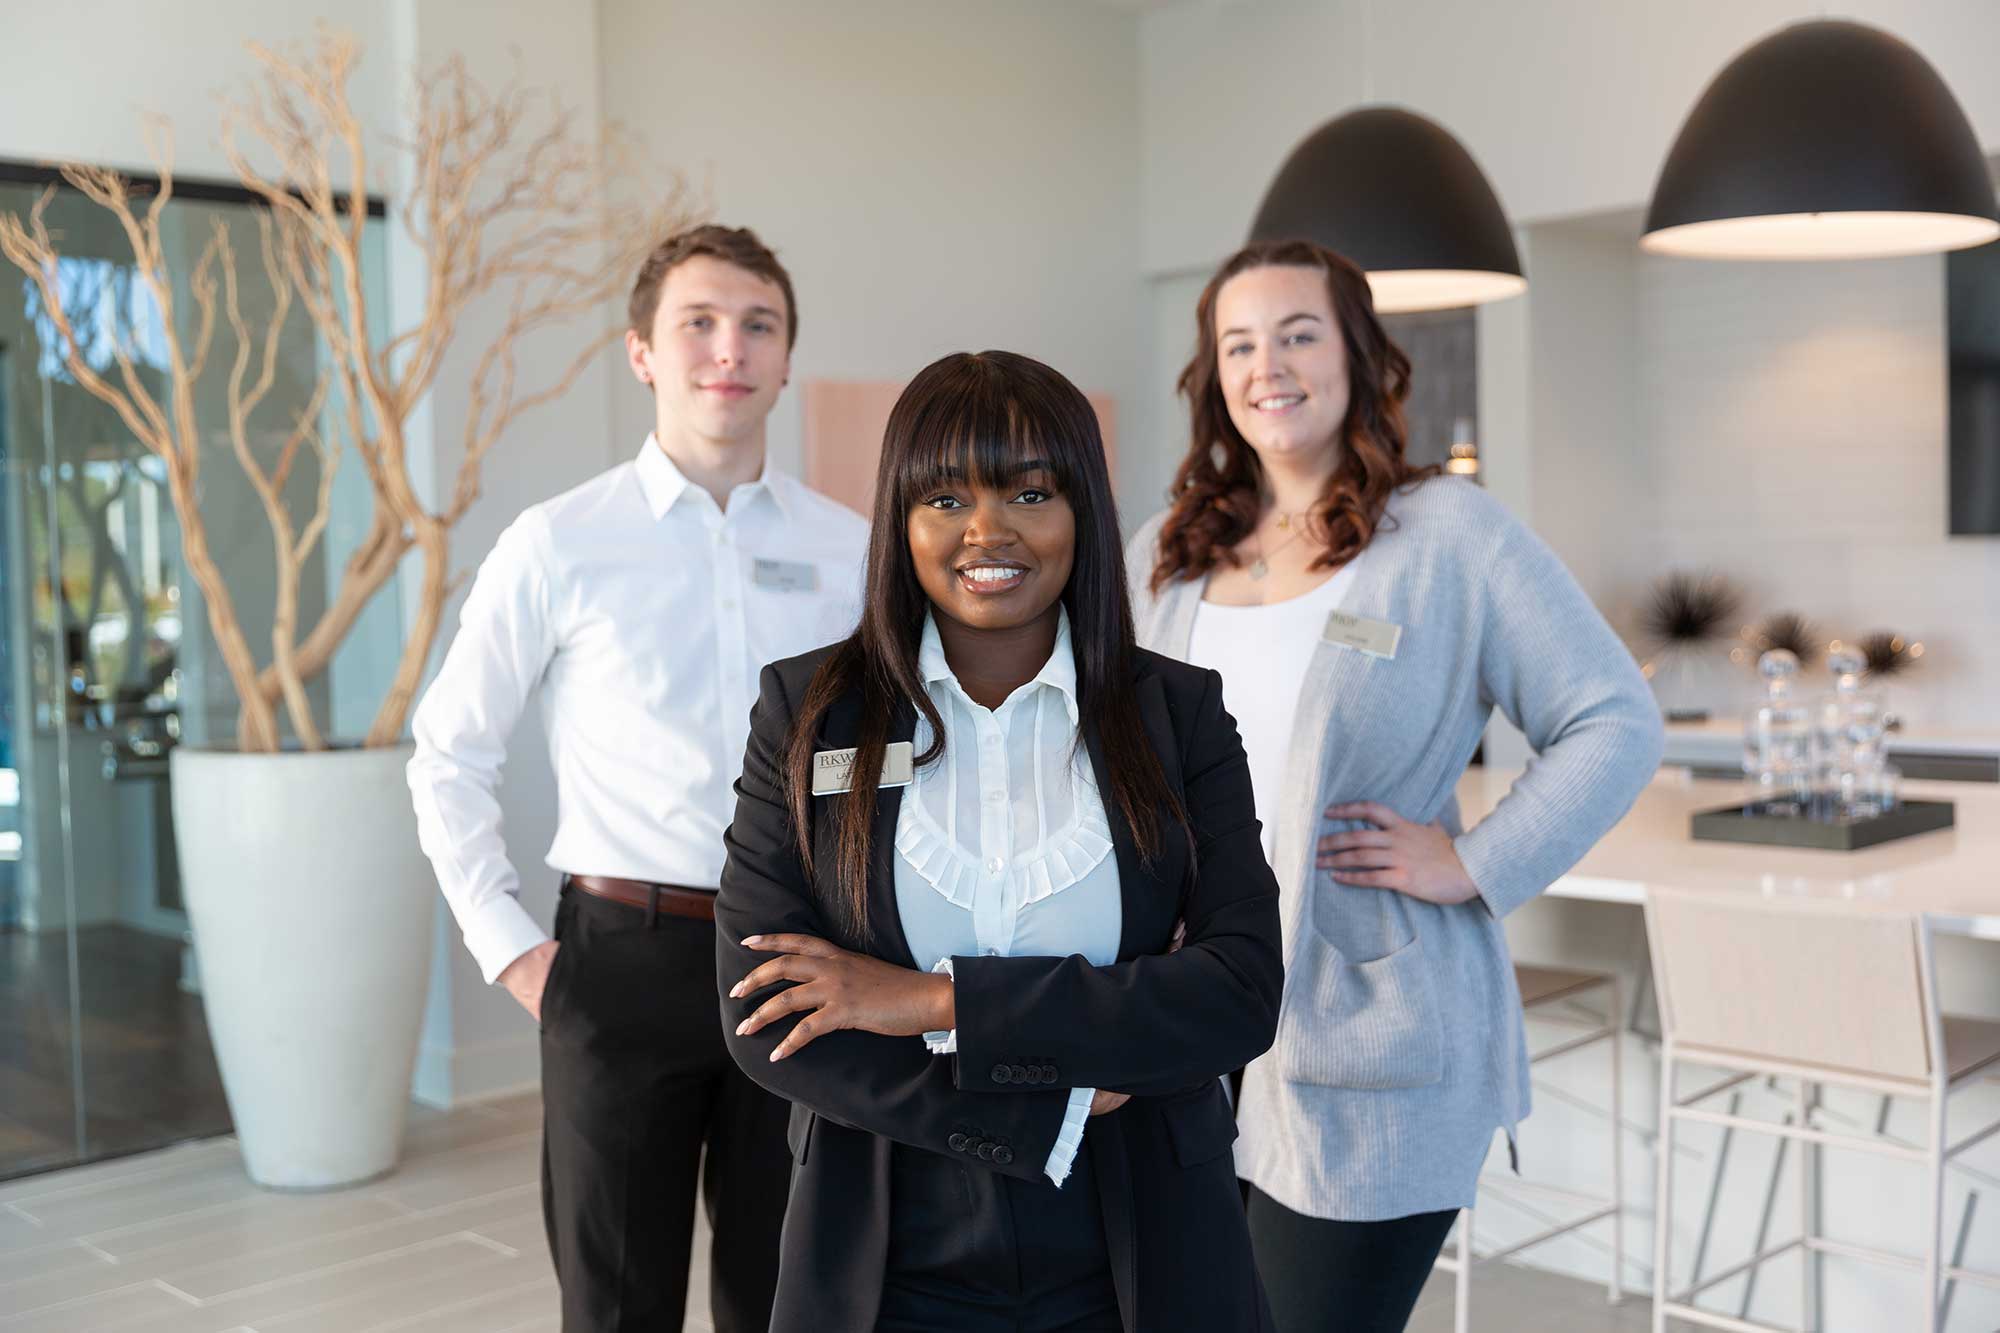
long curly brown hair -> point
(1217, 491)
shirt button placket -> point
(732, 665)
(996, 931)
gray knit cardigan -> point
(1400, 1046)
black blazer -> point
(1161, 1026)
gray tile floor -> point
(1508, 1298)
(179, 1241)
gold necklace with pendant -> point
(1260, 567)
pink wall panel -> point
(844, 420)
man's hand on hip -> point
(527, 976)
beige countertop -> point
(1953, 875)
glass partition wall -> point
(106, 663)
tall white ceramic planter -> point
(312, 910)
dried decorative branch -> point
(500, 212)
(507, 209)
(290, 549)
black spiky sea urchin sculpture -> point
(1686, 610)
(1889, 654)
(1790, 631)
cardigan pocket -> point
(1360, 1025)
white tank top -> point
(1262, 653)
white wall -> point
(81, 75)
(1582, 333)
(1158, 433)
(937, 177)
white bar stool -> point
(1543, 988)
(1817, 992)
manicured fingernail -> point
(740, 1026)
(777, 1056)
(736, 991)
(752, 941)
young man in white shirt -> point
(643, 604)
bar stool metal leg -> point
(1808, 1224)
(1663, 1172)
(1617, 1283)
(1543, 988)
(1934, 1250)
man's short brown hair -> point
(732, 245)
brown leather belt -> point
(649, 898)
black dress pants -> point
(974, 1251)
(1343, 1277)
(635, 1082)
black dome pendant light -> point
(1398, 195)
(1826, 140)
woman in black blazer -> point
(940, 1106)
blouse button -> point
(994, 865)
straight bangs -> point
(980, 432)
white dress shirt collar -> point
(664, 484)
(1058, 673)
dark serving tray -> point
(1738, 823)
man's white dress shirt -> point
(1003, 847)
(645, 613)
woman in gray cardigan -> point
(1367, 617)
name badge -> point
(785, 575)
(833, 770)
(1377, 638)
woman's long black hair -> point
(977, 417)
